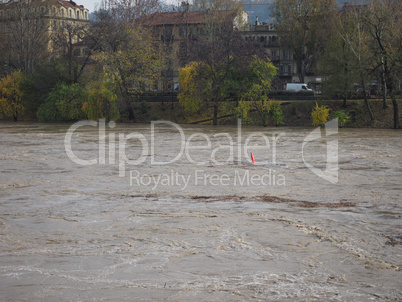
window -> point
(183, 50)
(182, 31)
(71, 13)
(86, 16)
(285, 55)
(62, 12)
(285, 69)
(273, 55)
(78, 14)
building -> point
(54, 13)
(173, 31)
(281, 58)
(27, 28)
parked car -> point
(297, 87)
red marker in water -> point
(252, 158)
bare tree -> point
(71, 43)
(382, 19)
(352, 30)
(28, 36)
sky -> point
(89, 4)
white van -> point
(297, 87)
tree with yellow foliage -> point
(10, 96)
(101, 103)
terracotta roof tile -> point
(172, 18)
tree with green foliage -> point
(302, 27)
(203, 84)
(263, 109)
(277, 113)
(11, 96)
(37, 85)
(101, 102)
(342, 116)
(64, 103)
(241, 111)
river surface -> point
(179, 213)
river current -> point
(135, 212)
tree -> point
(66, 42)
(198, 87)
(27, 33)
(101, 103)
(64, 103)
(382, 19)
(126, 49)
(11, 95)
(352, 30)
(301, 25)
(221, 58)
(339, 67)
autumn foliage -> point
(11, 96)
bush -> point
(64, 103)
(343, 117)
(263, 108)
(11, 95)
(241, 111)
(319, 115)
(276, 113)
(144, 107)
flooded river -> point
(176, 213)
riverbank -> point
(296, 113)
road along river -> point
(123, 212)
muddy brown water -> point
(207, 226)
